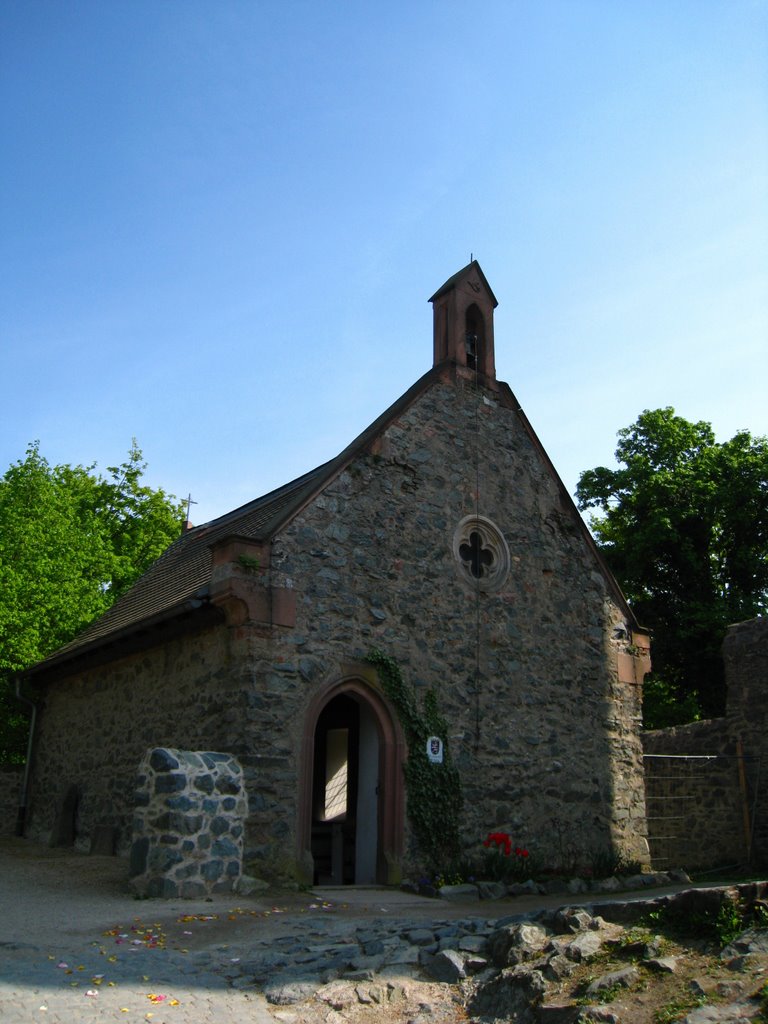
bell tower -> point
(463, 322)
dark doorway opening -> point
(345, 794)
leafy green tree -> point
(683, 524)
(71, 542)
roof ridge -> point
(272, 495)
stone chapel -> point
(442, 537)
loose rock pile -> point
(512, 969)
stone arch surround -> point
(360, 682)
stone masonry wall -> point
(188, 824)
(745, 653)
(544, 732)
(94, 728)
(10, 791)
(692, 797)
(706, 796)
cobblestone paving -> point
(146, 972)
(75, 947)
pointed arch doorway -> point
(351, 806)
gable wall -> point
(549, 748)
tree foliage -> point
(683, 524)
(71, 542)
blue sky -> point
(222, 221)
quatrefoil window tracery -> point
(481, 551)
(478, 559)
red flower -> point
(501, 841)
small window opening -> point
(473, 336)
(478, 559)
(481, 551)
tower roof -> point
(454, 280)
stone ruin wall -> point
(188, 825)
(707, 785)
(745, 653)
(693, 802)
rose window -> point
(481, 552)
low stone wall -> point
(10, 790)
(693, 802)
(188, 824)
(706, 783)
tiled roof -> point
(178, 580)
(182, 572)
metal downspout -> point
(21, 816)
